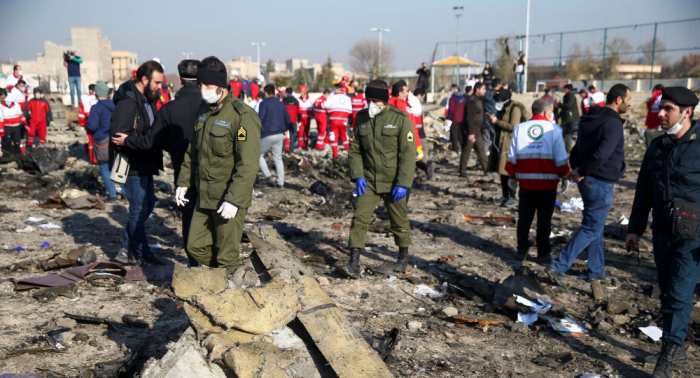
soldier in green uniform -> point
(221, 162)
(670, 179)
(382, 163)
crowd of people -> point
(218, 128)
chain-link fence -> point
(647, 51)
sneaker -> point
(544, 260)
(500, 201)
(112, 199)
(556, 278)
(605, 279)
(510, 202)
(125, 257)
(266, 181)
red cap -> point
(303, 88)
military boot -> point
(672, 356)
(352, 268)
(402, 261)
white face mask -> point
(210, 95)
(374, 109)
(19, 72)
(676, 128)
(551, 117)
(499, 106)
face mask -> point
(374, 109)
(499, 106)
(19, 72)
(551, 117)
(210, 95)
(38, 95)
(676, 128)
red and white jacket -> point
(10, 116)
(593, 99)
(358, 103)
(85, 107)
(12, 80)
(537, 156)
(17, 96)
(319, 110)
(306, 108)
(339, 107)
(652, 122)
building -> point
(123, 63)
(247, 69)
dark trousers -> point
(542, 202)
(507, 191)
(457, 136)
(478, 146)
(678, 265)
(12, 139)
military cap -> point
(680, 96)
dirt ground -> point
(434, 345)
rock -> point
(81, 337)
(447, 312)
(66, 323)
(621, 319)
(598, 292)
(618, 307)
(449, 335)
(656, 292)
(323, 281)
(414, 325)
(316, 235)
(695, 315)
(604, 326)
(126, 288)
(7, 289)
(184, 359)
(520, 327)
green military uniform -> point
(383, 152)
(221, 162)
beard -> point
(151, 95)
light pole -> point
(458, 13)
(187, 55)
(258, 44)
(527, 45)
(380, 31)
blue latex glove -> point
(360, 185)
(399, 193)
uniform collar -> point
(538, 117)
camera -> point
(66, 56)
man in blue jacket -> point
(275, 122)
(598, 161)
(98, 126)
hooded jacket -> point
(99, 119)
(130, 117)
(599, 150)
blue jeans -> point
(597, 198)
(518, 81)
(142, 199)
(109, 184)
(74, 84)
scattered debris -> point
(575, 205)
(653, 332)
(483, 321)
(555, 361)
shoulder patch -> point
(202, 118)
(693, 137)
(409, 136)
(242, 134)
(222, 123)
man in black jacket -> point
(172, 129)
(134, 115)
(568, 113)
(598, 160)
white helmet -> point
(261, 78)
(157, 60)
(234, 72)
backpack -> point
(523, 118)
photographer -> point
(423, 75)
(669, 179)
(72, 63)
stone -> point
(184, 359)
(126, 288)
(315, 235)
(621, 319)
(520, 327)
(695, 315)
(414, 325)
(618, 307)
(323, 281)
(447, 312)
(598, 292)
(604, 326)
(7, 289)
(66, 323)
(81, 337)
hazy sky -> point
(314, 29)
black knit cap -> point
(680, 96)
(502, 95)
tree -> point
(301, 77)
(282, 81)
(503, 65)
(580, 64)
(618, 49)
(647, 48)
(364, 57)
(689, 66)
(269, 67)
(325, 78)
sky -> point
(316, 29)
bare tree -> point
(618, 52)
(648, 47)
(580, 64)
(364, 57)
(503, 65)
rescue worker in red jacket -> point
(254, 87)
(85, 106)
(163, 94)
(292, 105)
(11, 122)
(236, 85)
(306, 111)
(358, 103)
(339, 112)
(13, 79)
(321, 117)
(38, 113)
(399, 91)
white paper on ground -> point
(528, 319)
(575, 205)
(591, 376)
(50, 226)
(653, 332)
(34, 220)
(540, 308)
(426, 290)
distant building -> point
(123, 63)
(247, 69)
